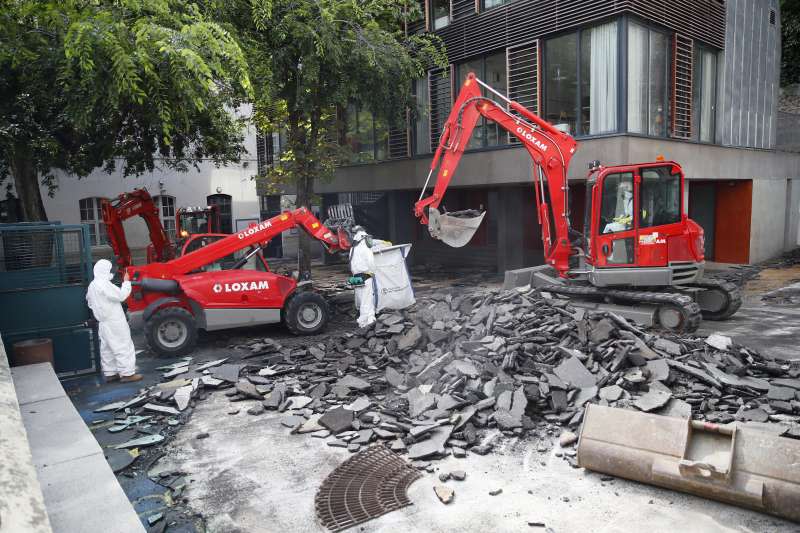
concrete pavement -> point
(250, 475)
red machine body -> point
(197, 220)
(551, 151)
(128, 205)
(637, 236)
(227, 283)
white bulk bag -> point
(390, 281)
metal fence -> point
(45, 269)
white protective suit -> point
(362, 261)
(117, 354)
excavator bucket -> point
(737, 465)
(455, 228)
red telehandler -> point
(228, 284)
(639, 249)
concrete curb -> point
(81, 493)
(22, 508)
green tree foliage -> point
(790, 34)
(309, 58)
(96, 83)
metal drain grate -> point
(369, 484)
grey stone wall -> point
(749, 80)
(22, 507)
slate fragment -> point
(572, 371)
(337, 420)
(780, 393)
(651, 401)
(248, 390)
(228, 372)
(433, 445)
(353, 382)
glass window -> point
(422, 125)
(598, 111)
(492, 71)
(488, 4)
(616, 213)
(440, 13)
(495, 76)
(648, 60)
(561, 81)
(166, 213)
(223, 202)
(660, 197)
(381, 138)
(351, 133)
(92, 215)
(462, 70)
(364, 134)
(366, 137)
(705, 94)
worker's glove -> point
(624, 220)
(355, 281)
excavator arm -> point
(125, 206)
(252, 236)
(550, 149)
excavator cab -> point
(194, 220)
(638, 221)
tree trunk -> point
(26, 182)
(305, 192)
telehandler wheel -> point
(306, 313)
(171, 331)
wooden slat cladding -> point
(681, 99)
(462, 8)
(700, 20)
(521, 21)
(441, 101)
(524, 75)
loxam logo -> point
(239, 287)
(254, 229)
(536, 142)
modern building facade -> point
(695, 81)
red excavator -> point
(190, 222)
(639, 251)
(227, 284)
(128, 205)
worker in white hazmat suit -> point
(117, 354)
(362, 265)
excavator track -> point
(729, 291)
(688, 309)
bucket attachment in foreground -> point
(741, 466)
(455, 228)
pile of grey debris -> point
(454, 372)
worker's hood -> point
(360, 236)
(102, 270)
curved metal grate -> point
(369, 484)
